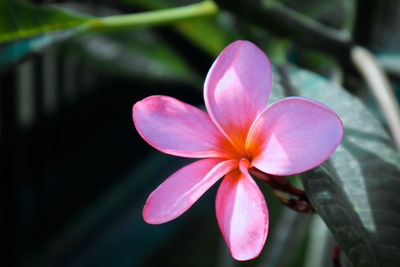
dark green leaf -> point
(33, 28)
(20, 20)
(356, 190)
(16, 51)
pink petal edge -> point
(177, 128)
(237, 89)
(183, 188)
(293, 135)
(242, 215)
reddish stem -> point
(284, 183)
(295, 204)
(336, 256)
(281, 184)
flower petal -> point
(183, 188)
(237, 89)
(242, 215)
(293, 135)
(177, 128)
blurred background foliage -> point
(75, 174)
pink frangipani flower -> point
(290, 136)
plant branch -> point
(149, 18)
(391, 64)
(377, 81)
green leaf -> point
(16, 51)
(20, 20)
(208, 34)
(356, 191)
(52, 19)
(33, 28)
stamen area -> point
(244, 165)
(252, 150)
(230, 149)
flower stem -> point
(336, 256)
(300, 205)
(284, 183)
(150, 18)
(283, 190)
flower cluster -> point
(239, 132)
